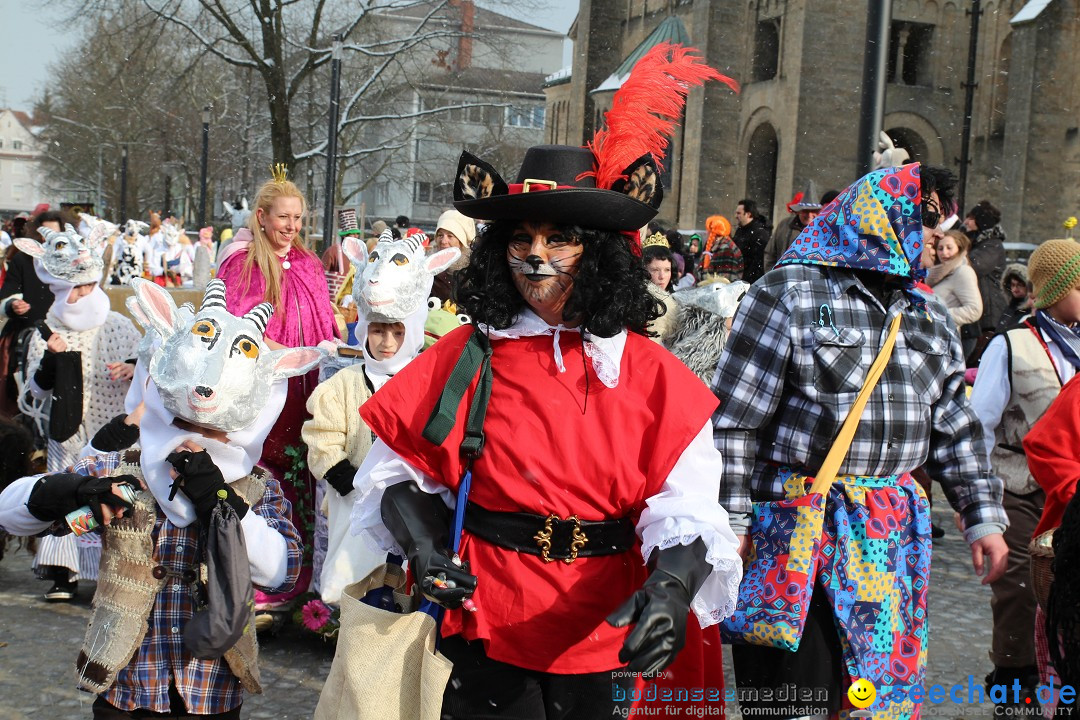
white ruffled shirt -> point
(685, 509)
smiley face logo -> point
(862, 693)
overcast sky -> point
(34, 36)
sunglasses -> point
(931, 214)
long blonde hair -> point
(260, 254)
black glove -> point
(45, 377)
(660, 608)
(54, 496)
(340, 477)
(115, 435)
(420, 522)
(202, 482)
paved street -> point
(39, 641)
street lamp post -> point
(331, 142)
(969, 100)
(875, 67)
(205, 154)
(123, 183)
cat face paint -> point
(543, 262)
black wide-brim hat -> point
(557, 184)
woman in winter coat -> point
(955, 282)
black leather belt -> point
(551, 537)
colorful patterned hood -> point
(875, 224)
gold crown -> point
(280, 171)
(450, 307)
(656, 239)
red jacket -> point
(1053, 454)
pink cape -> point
(305, 316)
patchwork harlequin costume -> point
(799, 350)
(213, 382)
(570, 535)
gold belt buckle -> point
(577, 539)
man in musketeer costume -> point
(592, 529)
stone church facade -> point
(800, 65)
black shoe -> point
(936, 531)
(62, 591)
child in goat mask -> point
(338, 441)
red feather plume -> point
(647, 107)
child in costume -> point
(129, 250)
(704, 318)
(78, 379)
(1021, 371)
(215, 389)
(392, 301)
(176, 256)
(660, 264)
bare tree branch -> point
(203, 40)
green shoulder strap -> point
(476, 355)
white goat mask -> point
(171, 233)
(66, 255)
(214, 369)
(133, 228)
(394, 280)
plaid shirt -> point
(207, 686)
(802, 343)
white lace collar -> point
(605, 353)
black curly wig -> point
(610, 291)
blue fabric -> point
(874, 224)
(1067, 338)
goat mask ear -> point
(136, 312)
(158, 306)
(476, 179)
(295, 361)
(437, 262)
(356, 251)
(32, 247)
(99, 233)
(641, 181)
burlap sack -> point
(386, 666)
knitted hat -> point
(1054, 269)
(462, 227)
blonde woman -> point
(954, 280)
(268, 262)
